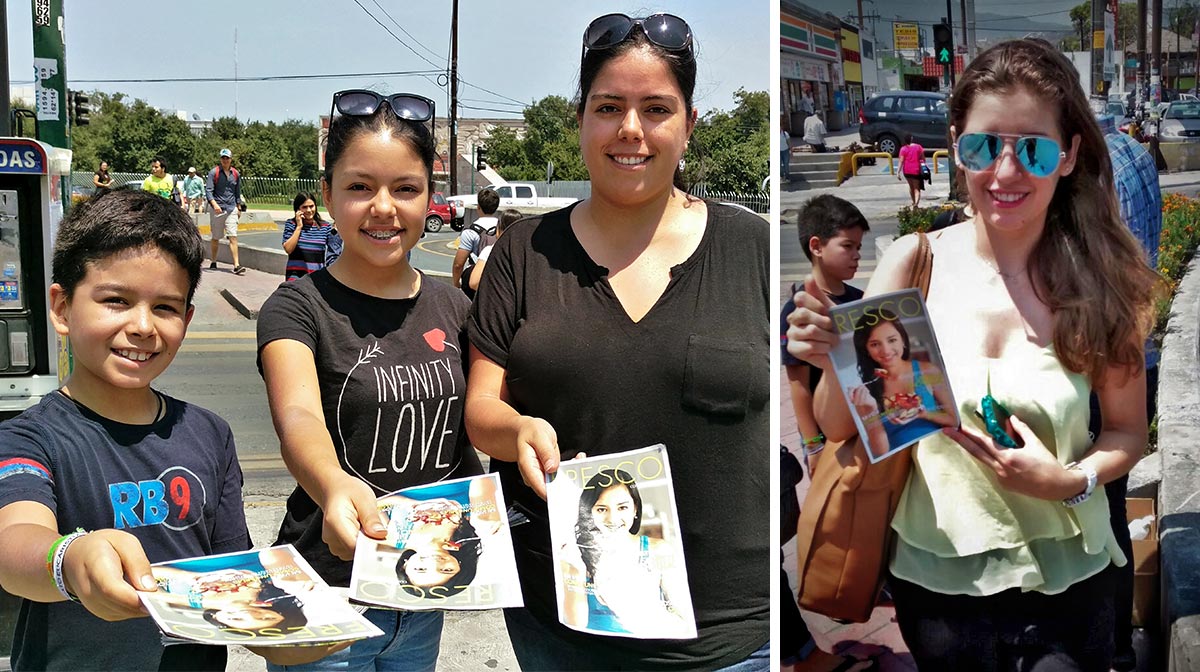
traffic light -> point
(480, 158)
(78, 108)
(943, 44)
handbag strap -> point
(922, 266)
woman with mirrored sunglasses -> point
(1005, 557)
(359, 357)
(635, 317)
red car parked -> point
(440, 213)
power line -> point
(262, 78)
(410, 35)
(394, 36)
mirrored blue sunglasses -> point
(1039, 155)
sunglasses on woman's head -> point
(1038, 154)
(665, 30)
(363, 103)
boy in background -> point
(831, 233)
(150, 478)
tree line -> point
(729, 151)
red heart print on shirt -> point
(436, 338)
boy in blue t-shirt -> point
(149, 477)
(831, 232)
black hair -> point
(863, 328)
(908, 139)
(681, 64)
(585, 524)
(488, 200)
(507, 217)
(299, 201)
(120, 220)
(160, 161)
(467, 556)
(343, 129)
(270, 597)
(826, 216)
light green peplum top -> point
(959, 531)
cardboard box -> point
(1145, 564)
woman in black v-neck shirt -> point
(638, 316)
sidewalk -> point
(878, 637)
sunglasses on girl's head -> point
(1038, 154)
(363, 103)
(665, 30)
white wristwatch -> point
(1082, 497)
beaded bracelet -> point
(59, 552)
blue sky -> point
(520, 50)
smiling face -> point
(614, 511)
(125, 319)
(157, 170)
(1005, 195)
(634, 128)
(378, 198)
(308, 211)
(431, 568)
(886, 345)
(249, 618)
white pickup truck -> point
(523, 197)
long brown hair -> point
(1089, 269)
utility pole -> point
(1155, 72)
(962, 5)
(1140, 96)
(5, 88)
(235, 74)
(860, 16)
(950, 22)
(1098, 87)
(454, 99)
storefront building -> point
(810, 65)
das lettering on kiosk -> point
(31, 208)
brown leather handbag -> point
(844, 536)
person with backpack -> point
(224, 188)
(473, 273)
(470, 241)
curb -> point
(239, 306)
(1178, 508)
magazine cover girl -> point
(890, 370)
(618, 553)
(268, 597)
(448, 546)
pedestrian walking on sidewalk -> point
(193, 191)
(224, 188)
(1004, 559)
(323, 340)
(785, 150)
(637, 316)
(912, 167)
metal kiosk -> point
(31, 358)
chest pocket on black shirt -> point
(718, 374)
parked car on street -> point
(519, 195)
(440, 213)
(887, 117)
(1181, 122)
